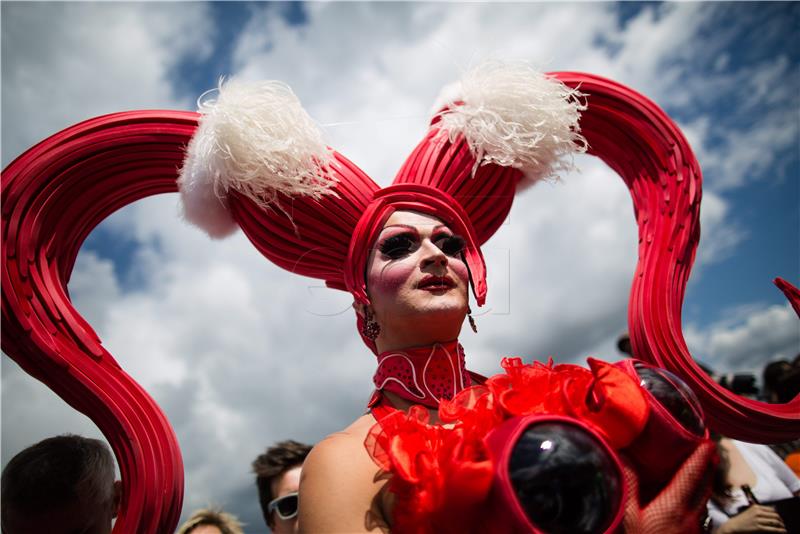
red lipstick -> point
(436, 283)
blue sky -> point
(202, 324)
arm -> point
(717, 515)
(338, 488)
(756, 518)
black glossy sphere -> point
(674, 395)
(564, 479)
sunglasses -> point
(286, 506)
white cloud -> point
(572, 247)
(31, 412)
(747, 340)
(92, 286)
(69, 61)
(663, 57)
(748, 142)
(377, 68)
(720, 235)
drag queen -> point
(410, 254)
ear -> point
(117, 497)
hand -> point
(681, 505)
(757, 518)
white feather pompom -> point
(254, 138)
(515, 116)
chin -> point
(416, 323)
(442, 308)
(420, 311)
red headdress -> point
(258, 161)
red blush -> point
(459, 269)
(391, 278)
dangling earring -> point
(371, 329)
(471, 320)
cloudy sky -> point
(240, 354)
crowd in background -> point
(66, 485)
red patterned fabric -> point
(423, 375)
(680, 507)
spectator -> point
(278, 479)
(63, 484)
(624, 345)
(211, 521)
(781, 384)
(782, 380)
(748, 477)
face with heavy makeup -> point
(417, 282)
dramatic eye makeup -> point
(398, 245)
(450, 244)
(404, 243)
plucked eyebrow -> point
(414, 228)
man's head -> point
(63, 484)
(278, 477)
(211, 521)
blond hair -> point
(227, 523)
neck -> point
(417, 334)
(423, 375)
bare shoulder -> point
(339, 485)
(349, 441)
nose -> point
(432, 255)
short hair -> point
(624, 344)
(269, 466)
(774, 372)
(57, 471)
(227, 523)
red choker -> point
(423, 375)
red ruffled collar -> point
(423, 375)
(442, 476)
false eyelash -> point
(452, 245)
(397, 246)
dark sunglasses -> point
(286, 506)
